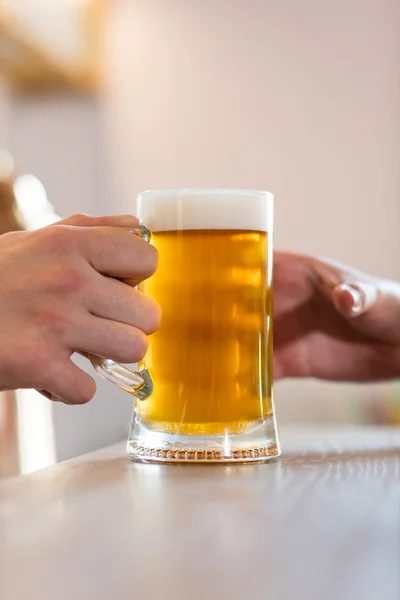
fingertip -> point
(68, 383)
(87, 391)
(347, 300)
(152, 260)
(354, 298)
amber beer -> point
(209, 359)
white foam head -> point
(176, 210)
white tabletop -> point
(322, 522)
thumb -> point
(354, 298)
(371, 305)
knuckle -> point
(79, 217)
(56, 239)
(62, 278)
(55, 319)
(71, 279)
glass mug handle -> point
(137, 383)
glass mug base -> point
(256, 445)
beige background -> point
(301, 98)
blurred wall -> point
(301, 98)
(4, 112)
(59, 139)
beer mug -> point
(204, 391)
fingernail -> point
(363, 295)
(46, 394)
(51, 396)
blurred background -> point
(100, 99)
